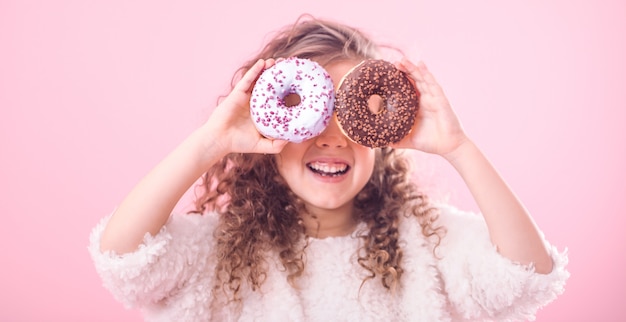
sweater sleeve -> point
(481, 284)
(161, 265)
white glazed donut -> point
(303, 77)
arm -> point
(510, 225)
(438, 130)
(148, 206)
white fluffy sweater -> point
(171, 275)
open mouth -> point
(328, 169)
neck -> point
(322, 223)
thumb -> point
(270, 146)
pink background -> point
(93, 94)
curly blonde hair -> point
(259, 212)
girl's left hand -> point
(436, 129)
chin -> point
(329, 205)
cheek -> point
(288, 160)
(368, 158)
(282, 165)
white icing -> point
(303, 77)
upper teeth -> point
(327, 168)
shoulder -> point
(452, 232)
(192, 222)
(448, 222)
(460, 223)
(162, 265)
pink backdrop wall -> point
(93, 94)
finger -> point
(408, 67)
(429, 83)
(424, 79)
(416, 74)
(426, 74)
(271, 62)
(248, 79)
(271, 146)
(404, 65)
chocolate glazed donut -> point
(376, 104)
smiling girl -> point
(326, 229)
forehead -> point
(338, 69)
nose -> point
(332, 137)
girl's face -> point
(329, 170)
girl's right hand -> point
(230, 126)
(229, 129)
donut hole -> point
(292, 99)
(375, 104)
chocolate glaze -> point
(399, 101)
